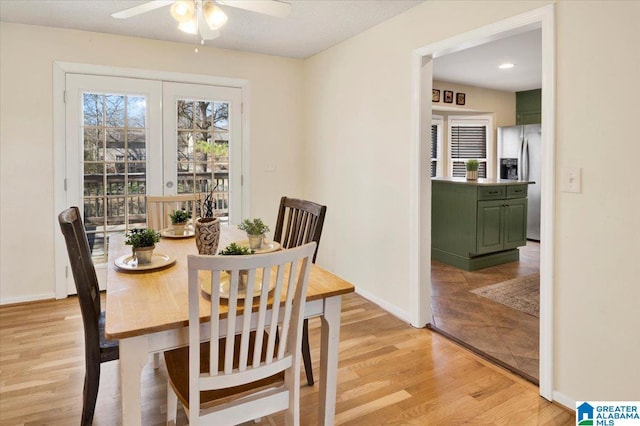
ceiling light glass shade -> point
(183, 10)
(214, 16)
(506, 66)
(189, 27)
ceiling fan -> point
(203, 16)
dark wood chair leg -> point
(90, 394)
(306, 352)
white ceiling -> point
(312, 26)
(478, 66)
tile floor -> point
(493, 329)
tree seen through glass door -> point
(114, 166)
(203, 151)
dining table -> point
(147, 311)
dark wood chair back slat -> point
(299, 222)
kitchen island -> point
(477, 223)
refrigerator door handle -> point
(520, 159)
(525, 160)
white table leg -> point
(134, 354)
(329, 350)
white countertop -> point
(481, 181)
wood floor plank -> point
(389, 373)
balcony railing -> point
(116, 202)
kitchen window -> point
(436, 146)
(469, 138)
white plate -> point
(267, 246)
(169, 233)
(158, 261)
(205, 285)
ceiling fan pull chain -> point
(198, 12)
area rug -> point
(522, 293)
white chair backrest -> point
(160, 207)
(280, 276)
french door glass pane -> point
(203, 150)
(114, 170)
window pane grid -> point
(203, 151)
(114, 169)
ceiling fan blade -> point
(276, 8)
(142, 8)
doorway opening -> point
(489, 305)
(542, 18)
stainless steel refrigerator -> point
(519, 156)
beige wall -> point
(27, 218)
(358, 133)
(479, 100)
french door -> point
(202, 144)
(129, 138)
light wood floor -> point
(389, 373)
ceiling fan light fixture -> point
(189, 27)
(183, 10)
(214, 16)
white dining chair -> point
(245, 369)
(159, 207)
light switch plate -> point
(270, 166)
(571, 179)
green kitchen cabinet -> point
(477, 224)
(502, 225)
(529, 107)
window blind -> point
(434, 149)
(460, 170)
(469, 142)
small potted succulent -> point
(472, 169)
(142, 242)
(179, 219)
(234, 249)
(255, 230)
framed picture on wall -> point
(435, 95)
(448, 97)
(460, 98)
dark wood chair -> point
(97, 349)
(300, 222)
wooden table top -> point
(149, 301)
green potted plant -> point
(255, 230)
(472, 169)
(179, 220)
(207, 226)
(234, 249)
(142, 242)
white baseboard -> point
(392, 309)
(563, 399)
(24, 299)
